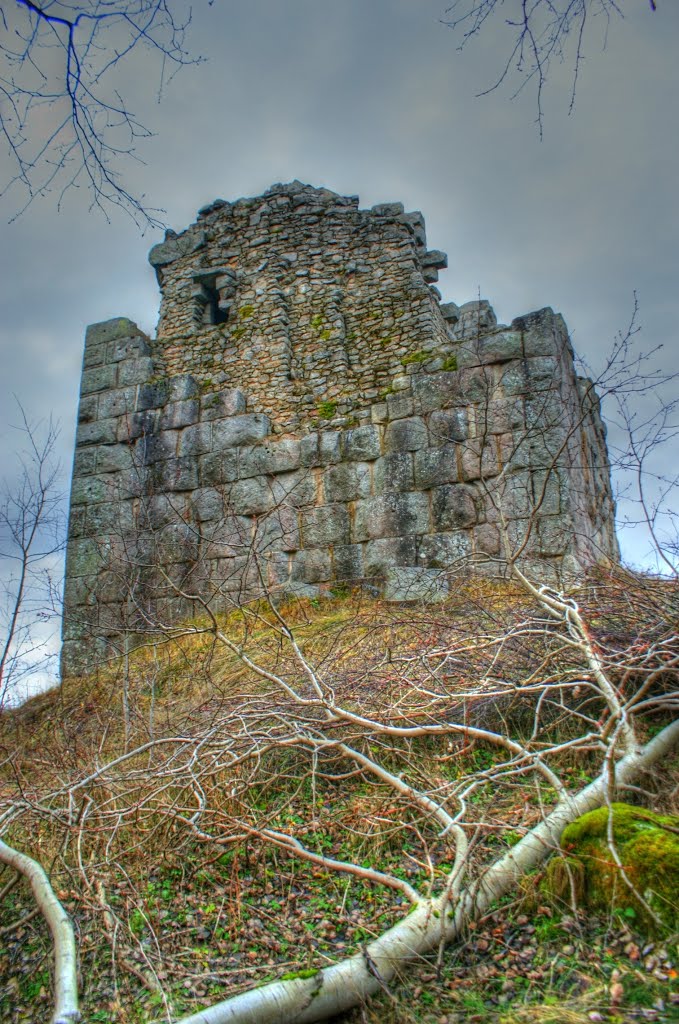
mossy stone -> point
(647, 846)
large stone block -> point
(297, 489)
(449, 425)
(453, 507)
(435, 391)
(195, 440)
(240, 430)
(179, 414)
(479, 459)
(85, 558)
(85, 462)
(111, 517)
(500, 347)
(252, 497)
(157, 447)
(329, 447)
(88, 409)
(361, 444)
(208, 504)
(100, 378)
(406, 435)
(152, 396)
(379, 556)
(176, 474)
(393, 472)
(89, 489)
(325, 525)
(98, 432)
(223, 403)
(218, 468)
(127, 348)
(135, 371)
(313, 566)
(347, 482)
(399, 406)
(391, 515)
(182, 387)
(272, 457)
(348, 561)
(444, 550)
(120, 402)
(111, 330)
(114, 458)
(231, 538)
(435, 466)
(278, 531)
(140, 424)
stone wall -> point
(310, 413)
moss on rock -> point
(647, 846)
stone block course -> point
(307, 399)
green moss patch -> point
(647, 846)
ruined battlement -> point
(310, 412)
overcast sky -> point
(372, 97)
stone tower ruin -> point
(311, 414)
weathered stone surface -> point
(329, 447)
(239, 430)
(347, 481)
(223, 403)
(361, 444)
(272, 457)
(435, 391)
(278, 531)
(179, 414)
(447, 426)
(127, 348)
(435, 466)
(111, 330)
(406, 435)
(113, 458)
(135, 371)
(101, 378)
(252, 497)
(453, 507)
(98, 432)
(393, 472)
(391, 515)
(312, 566)
(117, 403)
(325, 525)
(444, 550)
(348, 562)
(379, 556)
(195, 440)
(307, 398)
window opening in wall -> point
(213, 294)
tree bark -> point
(65, 955)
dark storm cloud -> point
(374, 98)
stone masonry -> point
(311, 413)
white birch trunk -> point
(346, 984)
(65, 954)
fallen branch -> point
(339, 988)
(65, 957)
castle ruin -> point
(310, 413)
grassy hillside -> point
(166, 862)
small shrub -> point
(326, 410)
(414, 358)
